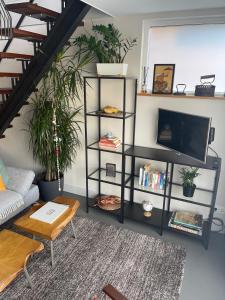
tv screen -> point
(184, 133)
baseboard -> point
(74, 189)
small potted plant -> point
(108, 48)
(188, 175)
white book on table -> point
(49, 212)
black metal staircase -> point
(59, 28)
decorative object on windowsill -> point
(108, 202)
(110, 170)
(109, 141)
(111, 110)
(108, 47)
(144, 84)
(147, 207)
(188, 175)
(206, 89)
(180, 89)
(163, 79)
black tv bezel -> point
(175, 150)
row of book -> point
(109, 142)
(151, 178)
(187, 221)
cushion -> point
(9, 202)
(3, 172)
(2, 184)
(20, 180)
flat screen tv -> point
(184, 133)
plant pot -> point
(188, 191)
(112, 69)
(50, 189)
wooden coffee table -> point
(15, 249)
(49, 231)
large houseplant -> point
(188, 175)
(108, 47)
(54, 126)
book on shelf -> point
(189, 219)
(153, 179)
(110, 142)
(183, 227)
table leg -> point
(73, 228)
(28, 277)
(52, 253)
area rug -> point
(140, 266)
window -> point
(195, 49)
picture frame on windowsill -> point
(163, 79)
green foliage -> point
(107, 45)
(188, 175)
(59, 93)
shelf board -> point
(181, 96)
(91, 204)
(101, 173)
(113, 116)
(119, 150)
(180, 197)
(136, 213)
(110, 77)
(212, 162)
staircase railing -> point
(64, 27)
(5, 22)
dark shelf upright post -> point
(86, 141)
(164, 199)
(206, 236)
(99, 135)
(170, 187)
(121, 219)
(133, 159)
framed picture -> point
(163, 79)
(110, 170)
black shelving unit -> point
(98, 174)
(160, 217)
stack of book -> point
(151, 178)
(109, 142)
(187, 221)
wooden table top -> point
(45, 230)
(15, 249)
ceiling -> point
(129, 7)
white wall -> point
(14, 149)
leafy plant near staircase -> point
(58, 96)
(107, 45)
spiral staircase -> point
(60, 27)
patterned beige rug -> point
(141, 267)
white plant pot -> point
(112, 69)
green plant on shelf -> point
(188, 175)
(106, 45)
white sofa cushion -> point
(9, 202)
(20, 180)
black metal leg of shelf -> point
(86, 149)
(164, 199)
(121, 218)
(213, 201)
(170, 187)
(99, 135)
(132, 180)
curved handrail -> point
(5, 22)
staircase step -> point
(5, 91)
(24, 34)
(10, 55)
(12, 75)
(33, 10)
